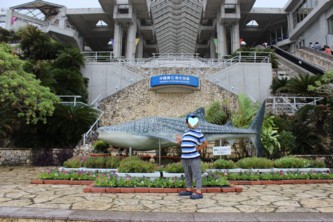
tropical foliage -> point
(217, 113)
(21, 93)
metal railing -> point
(90, 133)
(289, 105)
(73, 100)
(229, 88)
(113, 90)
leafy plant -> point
(291, 162)
(74, 162)
(100, 146)
(63, 175)
(135, 165)
(94, 162)
(112, 162)
(270, 136)
(224, 164)
(299, 85)
(178, 167)
(217, 113)
(255, 163)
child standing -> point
(192, 142)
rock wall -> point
(15, 156)
(137, 101)
(27, 156)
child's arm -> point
(203, 145)
(178, 140)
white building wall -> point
(104, 77)
(252, 79)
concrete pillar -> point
(212, 48)
(139, 50)
(221, 40)
(235, 37)
(130, 44)
(117, 43)
(9, 24)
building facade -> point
(211, 28)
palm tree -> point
(307, 140)
(68, 123)
(35, 44)
(70, 82)
(69, 58)
(278, 83)
(299, 85)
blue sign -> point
(174, 79)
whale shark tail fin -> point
(256, 125)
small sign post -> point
(221, 150)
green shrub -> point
(291, 162)
(178, 167)
(135, 165)
(112, 162)
(74, 162)
(174, 168)
(224, 164)
(100, 146)
(94, 162)
(255, 163)
(316, 164)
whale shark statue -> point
(154, 132)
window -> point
(123, 9)
(229, 8)
(330, 25)
(303, 10)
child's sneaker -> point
(185, 193)
(196, 196)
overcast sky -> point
(95, 3)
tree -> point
(7, 36)
(299, 85)
(21, 92)
(278, 83)
(68, 123)
(69, 57)
(36, 44)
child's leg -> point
(196, 170)
(188, 173)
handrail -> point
(298, 61)
(292, 103)
(75, 97)
(230, 88)
(113, 90)
(86, 135)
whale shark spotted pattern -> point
(152, 132)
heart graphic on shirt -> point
(193, 121)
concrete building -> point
(212, 28)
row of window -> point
(303, 10)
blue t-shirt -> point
(191, 139)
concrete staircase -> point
(316, 58)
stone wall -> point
(28, 156)
(137, 101)
(15, 156)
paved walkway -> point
(16, 191)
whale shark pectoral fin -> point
(200, 113)
(163, 139)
